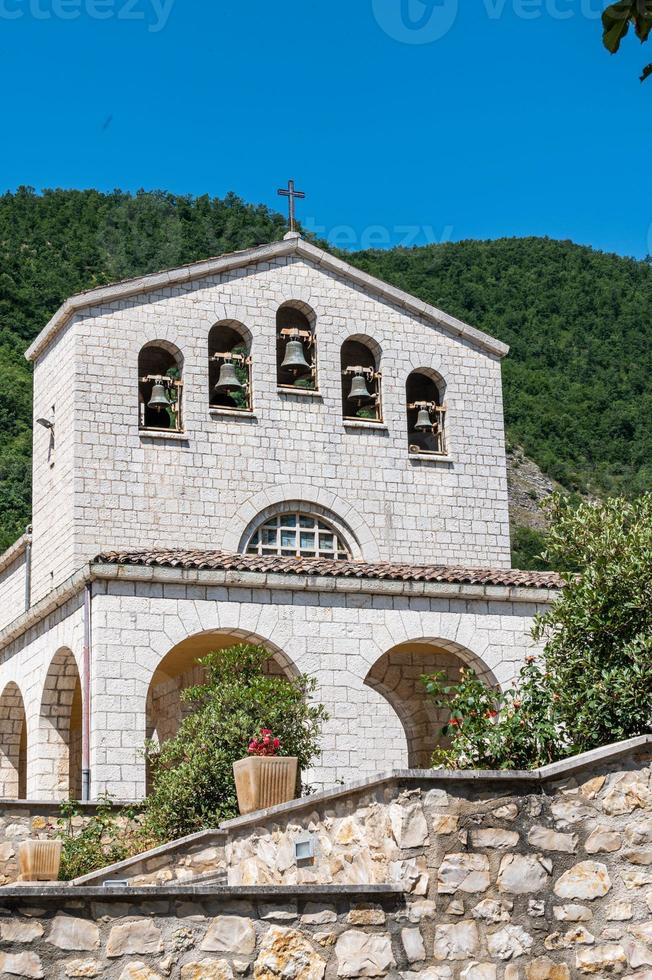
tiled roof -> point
(225, 561)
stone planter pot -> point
(264, 781)
(39, 860)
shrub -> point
(592, 684)
(193, 785)
(491, 730)
(108, 836)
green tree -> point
(193, 771)
(592, 684)
(598, 653)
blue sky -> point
(403, 120)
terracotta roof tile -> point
(225, 561)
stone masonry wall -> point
(203, 487)
(337, 638)
(199, 937)
(12, 583)
(506, 878)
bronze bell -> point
(359, 391)
(424, 423)
(228, 380)
(294, 357)
(159, 399)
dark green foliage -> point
(598, 654)
(578, 397)
(527, 549)
(616, 21)
(577, 390)
(593, 683)
(193, 771)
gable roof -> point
(292, 244)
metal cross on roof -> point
(293, 195)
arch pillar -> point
(55, 772)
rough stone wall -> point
(505, 878)
(518, 884)
(203, 938)
(146, 490)
(560, 876)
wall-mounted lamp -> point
(304, 849)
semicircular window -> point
(297, 536)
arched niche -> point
(180, 669)
(13, 744)
(160, 386)
(296, 346)
(361, 380)
(229, 367)
(426, 413)
(60, 729)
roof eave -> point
(235, 260)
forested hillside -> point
(578, 393)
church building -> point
(269, 446)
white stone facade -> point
(112, 486)
(338, 634)
(102, 484)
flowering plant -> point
(268, 744)
(489, 729)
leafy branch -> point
(617, 19)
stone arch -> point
(179, 669)
(396, 676)
(60, 729)
(313, 499)
(13, 744)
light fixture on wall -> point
(304, 848)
